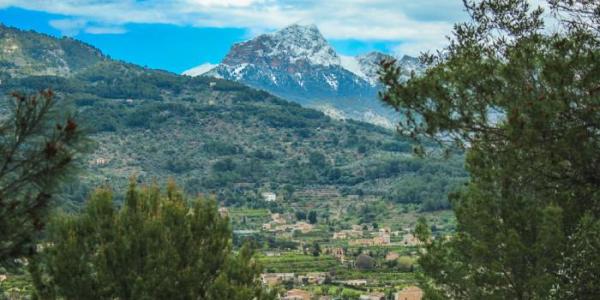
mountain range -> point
(213, 135)
(297, 63)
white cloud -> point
(68, 27)
(105, 30)
(225, 3)
(419, 25)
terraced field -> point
(291, 262)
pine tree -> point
(523, 100)
(156, 246)
(39, 150)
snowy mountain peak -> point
(304, 43)
(297, 63)
(309, 31)
(295, 44)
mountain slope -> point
(297, 63)
(221, 137)
(24, 53)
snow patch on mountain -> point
(352, 64)
(331, 80)
(199, 70)
(238, 71)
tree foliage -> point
(523, 99)
(156, 246)
(364, 262)
(312, 217)
(38, 151)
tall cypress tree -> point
(523, 100)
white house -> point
(269, 196)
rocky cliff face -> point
(297, 63)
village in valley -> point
(327, 250)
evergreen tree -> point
(156, 246)
(39, 149)
(312, 217)
(523, 100)
(316, 249)
(300, 215)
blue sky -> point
(176, 35)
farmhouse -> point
(269, 196)
(100, 161)
(277, 223)
(340, 235)
(345, 234)
(361, 242)
(272, 279)
(373, 296)
(272, 253)
(354, 282)
(337, 252)
(409, 240)
(313, 278)
(381, 240)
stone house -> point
(345, 234)
(272, 279)
(313, 278)
(409, 240)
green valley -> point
(314, 194)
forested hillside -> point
(216, 136)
